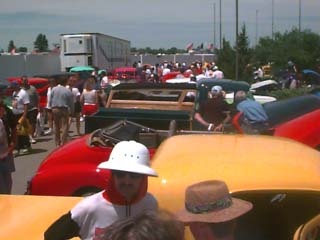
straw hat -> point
(129, 156)
(210, 202)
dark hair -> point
(149, 225)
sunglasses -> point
(122, 174)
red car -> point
(296, 118)
(126, 74)
(50, 179)
(41, 84)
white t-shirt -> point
(104, 82)
(21, 98)
(95, 213)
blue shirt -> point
(253, 111)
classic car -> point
(282, 182)
(279, 176)
(27, 217)
(81, 156)
(296, 118)
(156, 104)
(125, 75)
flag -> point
(210, 46)
(189, 46)
(13, 51)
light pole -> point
(257, 11)
(220, 24)
(237, 50)
(214, 24)
(299, 16)
(272, 20)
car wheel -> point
(86, 191)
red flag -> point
(189, 46)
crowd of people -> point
(158, 72)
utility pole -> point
(214, 24)
(237, 48)
(272, 21)
(257, 11)
(299, 16)
(220, 25)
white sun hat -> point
(129, 156)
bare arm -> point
(203, 122)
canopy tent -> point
(81, 69)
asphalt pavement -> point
(27, 164)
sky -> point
(152, 23)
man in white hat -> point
(210, 211)
(125, 195)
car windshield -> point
(276, 214)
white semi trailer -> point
(93, 49)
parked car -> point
(296, 118)
(32, 215)
(156, 104)
(125, 75)
(281, 181)
(279, 176)
(41, 84)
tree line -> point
(40, 45)
(302, 48)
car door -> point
(309, 230)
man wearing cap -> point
(210, 211)
(213, 113)
(125, 195)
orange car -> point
(279, 176)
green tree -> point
(41, 43)
(226, 59)
(245, 55)
(11, 46)
(303, 48)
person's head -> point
(148, 225)
(210, 211)
(72, 80)
(14, 85)
(129, 163)
(91, 81)
(216, 91)
(240, 96)
(24, 81)
(62, 80)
